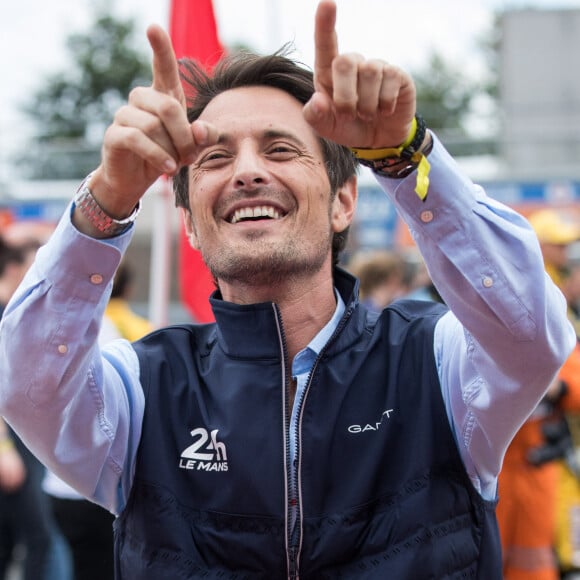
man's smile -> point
(255, 213)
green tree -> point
(75, 106)
(443, 95)
(462, 110)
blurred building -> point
(540, 94)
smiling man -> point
(300, 436)
(262, 209)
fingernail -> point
(169, 166)
(315, 108)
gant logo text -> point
(371, 426)
(206, 453)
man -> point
(296, 437)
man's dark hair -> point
(246, 69)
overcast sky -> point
(32, 41)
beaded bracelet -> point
(399, 162)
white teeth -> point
(255, 212)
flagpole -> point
(161, 235)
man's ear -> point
(189, 228)
(344, 205)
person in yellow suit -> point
(568, 491)
(532, 468)
(129, 324)
(568, 487)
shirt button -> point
(96, 279)
(487, 282)
(62, 348)
(426, 216)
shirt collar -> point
(304, 360)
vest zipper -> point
(291, 551)
(293, 486)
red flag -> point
(193, 32)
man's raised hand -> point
(358, 102)
(150, 136)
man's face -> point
(261, 207)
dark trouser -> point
(88, 529)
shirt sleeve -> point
(507, 333)
(79, 412)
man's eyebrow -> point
(268, 134)
(280, 133)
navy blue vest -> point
(383, 492)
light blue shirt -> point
(80, 409)
(303, 361)
(301, 367)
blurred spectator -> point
(129, 324)
(12, 470)
(556, 230)
(380, 275)
(417, 279)
(14, 262)
(528, 482)
(571, 290)
(568, 492)
(25, 517)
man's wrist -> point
(100, 223)
(405, 150)
(399, 162)
(398, 168)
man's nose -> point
(249, 168)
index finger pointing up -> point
(325, 42)
(165, 70)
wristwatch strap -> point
(86, 203)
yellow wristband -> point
(373, 154)
(422, 183)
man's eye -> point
(213, 156)
(282, 150)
